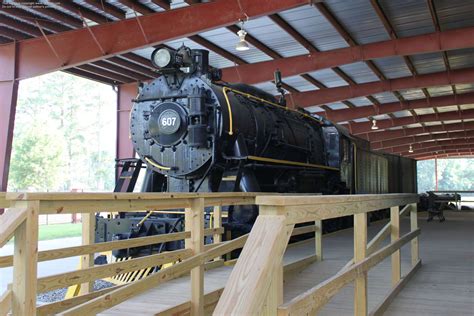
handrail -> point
(255, 285)
(311, 301)
(9, 222)
(26, 208)
(117, 296)
(60, 253)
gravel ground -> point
(58, 295)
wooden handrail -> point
(5, 303)
(62, 280)
(60, 253)
(309, 302)
(300, 209)
(135, 288)
(247, 292)
(9, 222)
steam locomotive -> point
(196, 133)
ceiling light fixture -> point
(410, 150)
(374, 125)
(242, 45)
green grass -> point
(55, 231)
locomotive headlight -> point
(161, 58)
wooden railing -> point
(21, 221)
(255, 286)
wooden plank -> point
(5, 303)
(210, 301)
(60, 253)
(318, 239)
(319, 210)
(78, 196)
(374, 243)
(90, 274)
(311, 301)
(360, 253)
(394, 235)
(300, 264)
(380, 309)
(250, 279)
(308, 199)
(25, 263)
(60, 306)
(9, 221)
(3, 202)
(194, 222)
(88, 237)
(415, 251)
(217, 224)
(128, 291)
(303, 230)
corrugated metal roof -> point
(299, 83)
(274, 37)
(359, 72)
(409, 17)
(412, 94)
(402, 114)
(428, 63)
(385, 97)
(329, 78)
(393, 67)
(461, 58)
(362, 101)
(337, 106)
(359, 19)
(447, 108)
(314, 27)
(424, 111)
(453, 14)
(440, 91)
(227, 40)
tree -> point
(35, 159)
(78, 116)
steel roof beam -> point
(365, 127)
(402, 133)
(415, 139)
(291, 66)
(452, 153)
(77, 47)
(468, 146)
(323, 96)
(431, 144)
(342, 115)
(11, 33)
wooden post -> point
(318, 239)
(415, 254)
(25, 263)
(395, 235)
(194, 222)
(88, 237)
(360, 252)
(275, 292)
(217, 223)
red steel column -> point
(8, 99)
(126, 93)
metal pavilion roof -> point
(324, 26)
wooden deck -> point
(443, 286)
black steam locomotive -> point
(196, 133)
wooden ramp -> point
(444, 285)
